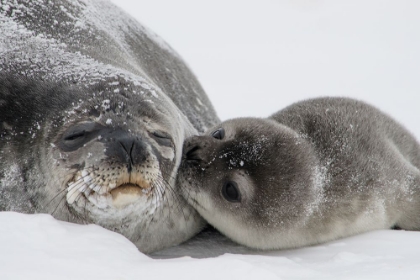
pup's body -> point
(315, 171)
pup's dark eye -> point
(219, 134)
(230, 192)
(162, 138)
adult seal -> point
(315, 171)
(94, 109)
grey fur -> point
(90, 100)
(315, 171)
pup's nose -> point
(195, 149)
(192, 153)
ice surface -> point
(39, 247)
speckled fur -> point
(69, 63)
(315, 171)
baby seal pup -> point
(315, 171)
(94, 110)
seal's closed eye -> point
(162, 138)
(78, 135)
(75, 135)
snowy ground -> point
(39, 247)
(253, 58)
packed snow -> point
(39, 247)
(254, 58)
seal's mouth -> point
(104, 190)
(126, 194)
(127, 189)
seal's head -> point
(94, 109)
(118, 149)
(108, 155)
(249, 177)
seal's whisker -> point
(85, 208)
(64, 189)
(166, 194)
(162, 187)
(69, 192)
(55, 196)
(156, 193)
(58, 204)
(180, 202)
(160, 190)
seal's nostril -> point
(127, 149)
(192, 154)
(128, 155)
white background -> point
(255, 57)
